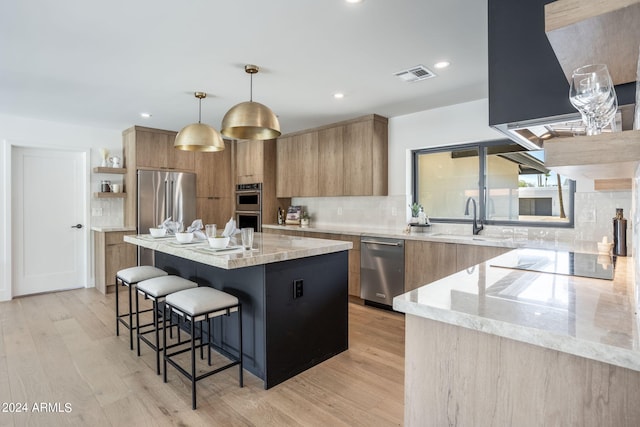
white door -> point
(48, 203)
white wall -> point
(20, 131)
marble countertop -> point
(110, 229)
(268, 248)
(591, 318)
(464, 239)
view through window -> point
(508, 184)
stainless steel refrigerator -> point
(163, 194)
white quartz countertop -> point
(267, 248)
(591, 318)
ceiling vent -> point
(415, 74)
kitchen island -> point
(293, 292)
(503, 346)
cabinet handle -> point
(381, 243)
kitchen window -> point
(509, 184)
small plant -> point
(415, 209)
(305, 215)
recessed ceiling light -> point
(442, 64)
(354, 1)
(145, 115)
(338, 95)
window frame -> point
(482, 147)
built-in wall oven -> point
(249, 206)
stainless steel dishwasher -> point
(381, 270)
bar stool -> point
(157, 289)
(199, 305)
(129, 277)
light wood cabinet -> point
(214, 185)
(297, 165)
(249, 162)
(366, 158)
(331, 161)
(154, 149)
(214, 210)
(344, 159)
(470, 255)
(111, 254)
(213, 173)
(425, 262)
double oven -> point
(249, 206)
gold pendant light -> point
(250, 120)
(198, 136)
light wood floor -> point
(61, 348)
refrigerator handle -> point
(171, 192)
(166, 200)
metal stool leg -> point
(193, 364)
(137, 323)
(117, 309)
(240, 373)
(130, 319)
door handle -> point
(78, 226)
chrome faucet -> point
(476, 228)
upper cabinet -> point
(585, 32)
(344, 159)
(249, 162)
(213, 173)
(153, 148)
(297, 163)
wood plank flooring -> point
(60, 349)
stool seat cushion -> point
(165, 285)
(140, 273)
(200, 300)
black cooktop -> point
(561, 262)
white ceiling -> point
(103, 63)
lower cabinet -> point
(426, 262)
(111, 254)
(354, 254)
(470, 255)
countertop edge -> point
(111, 229)
(440, 238)
(596, 351)
(246, 259)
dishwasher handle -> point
(397, 244)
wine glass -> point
(592, 93)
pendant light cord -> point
(251, 88)
(199, 109)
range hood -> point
(532, 134)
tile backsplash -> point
(594, 212)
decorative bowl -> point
(184, 237)
(218, 242)
(158, 232)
